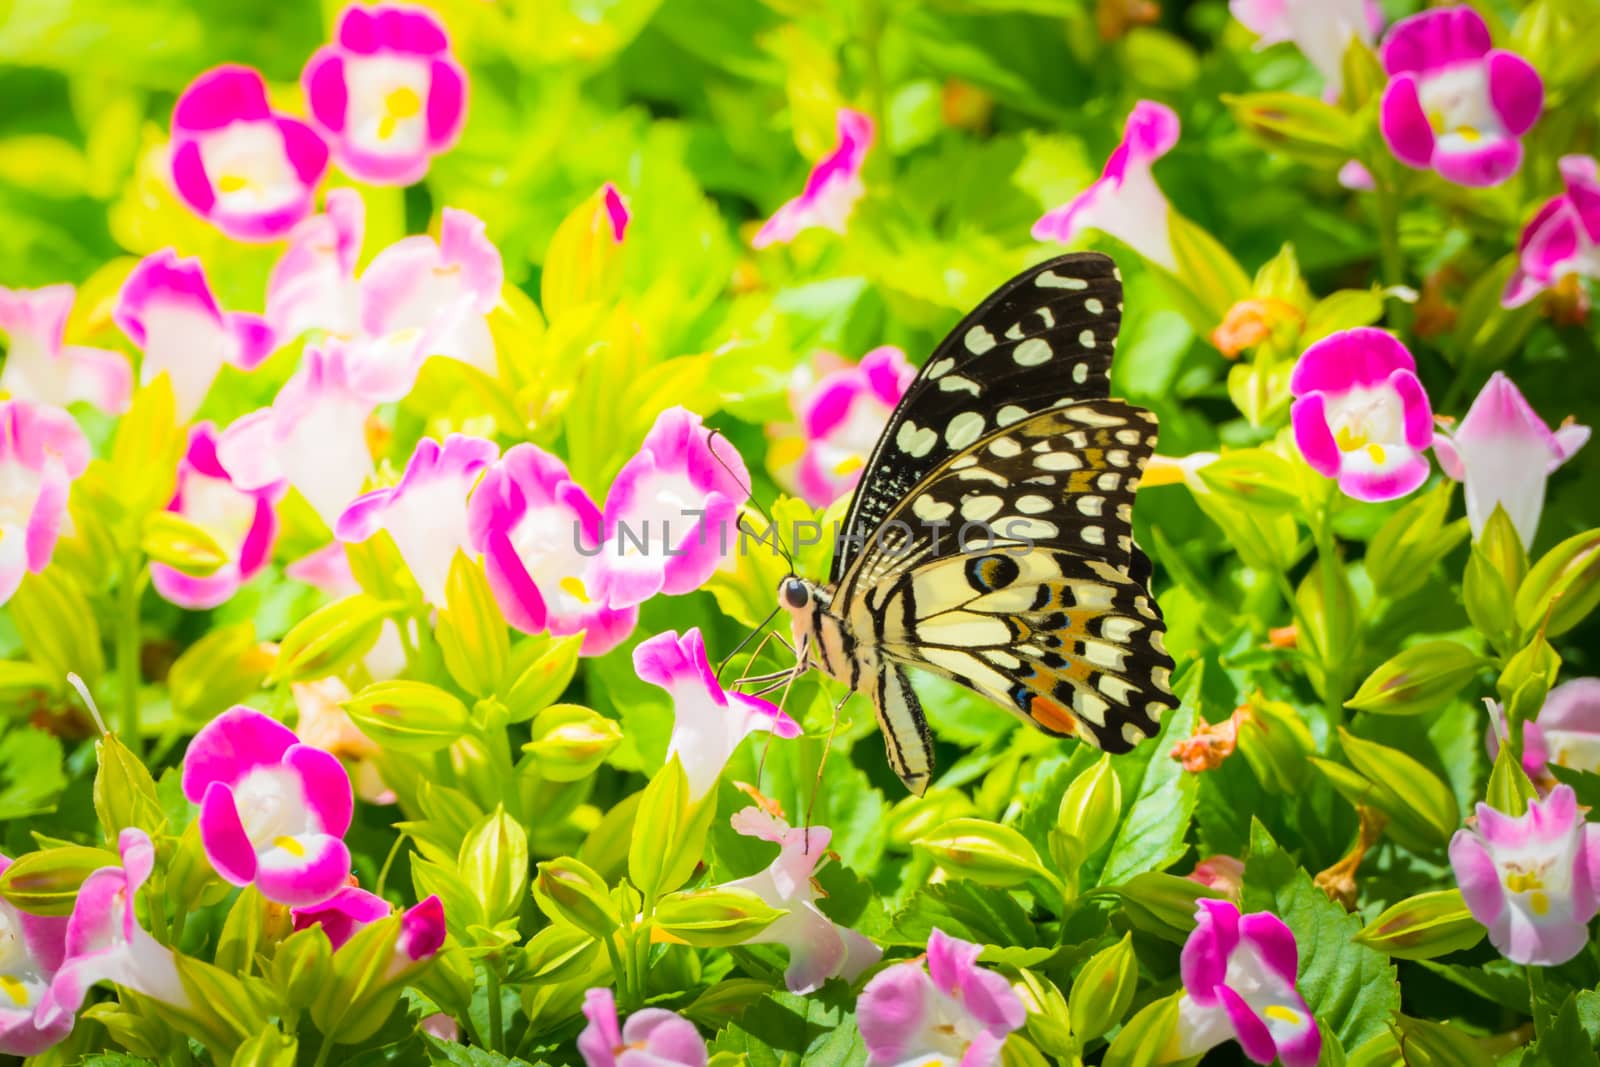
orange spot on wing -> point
(1052, 716)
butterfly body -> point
(990, 539)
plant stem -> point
(323, 1051)
(619, 968)
(1327, 560)
(128, 654)
(1541, 1016)
(1393, 262)
(497, 1033)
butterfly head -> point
(805, 601)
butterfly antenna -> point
(772, 523)
(762, 625)
(822, 765)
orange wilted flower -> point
(1114, 18)
(1211, 743)
(1283, 636)
(1249, 322)
(964, 105)
(1566, 303)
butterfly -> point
(990, 538)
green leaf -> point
(1153, 835)
(1565, 1043)
(31, 777)
(1404, 551)
(1430, 1044)
(784, 1030)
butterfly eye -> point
(795, 593)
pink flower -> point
(273, 811)
(105, 943)
(426, 513)
(387, 93)
(1531, 879)
(652, 1037)
(248, 170)
(1360, 414)
(242, 523)
(949, 1012)
(1239, 982)
(31, 951)
(1564, 236)
(422, 929)
(41, 452)
(166, 307)
(840, 417)
(1565, 733)
(708, 723)
(324, 723)
(40, 367)
(1125, 202)
(616, 211)
(1321, 29)
(1222, 873)
(542, 538)
(1454, 102)
(313, 284)
(1505, 453)
(831, 191)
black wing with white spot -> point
(1043, 338)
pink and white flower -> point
(426, 513)
(42, 368)
(950, 1011)
(248, 170)
(1360, 414)
(273, 811)
(105, 943)
(1454, 102)
(708, 722)
(1531, 879)
(1125, 201)
(542, 538)
(1220, 872)
(242, 522)
(671, 513)
(32, 948)
(1566, 731)
(1505, 453)
(41, 452)
(840, 416)
(652, 1037)
(313, 284)
(351, 908)
(166, 307)
(819, 948)
(387, 93)
(324, 723)
(1239, 983)
(831, 191)
(1563, 238)
(1321, 29)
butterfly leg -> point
(822, 765)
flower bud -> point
(914, 816)
(559, 953)
(493, 862)
(569, 891)
(1164, 904)
(1418, 680)
(715, 918)
(1275, 741)
(1091, 806)
(46, 882)
(1423, 927)
(408, 716)
(983, 851)
(1103, 990)
(330, 639)
(181, 544)
(570, 741)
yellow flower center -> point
(849, 465)
(1377, 453)
(574, 587)
(1283, 1015)
(400, 104)
(234, 183)
(1350, 437)
(15, 990)
(1522, 881)
(290, 845)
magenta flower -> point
(542, 539)
(1454, 102)
(41, 452)
(671, 513)
(949, 1012)
(350, 908)
(617, 213)
(32, 948)
(831, 191)
(652, 1037)
(387, 93)
(248, 170)
(1321, 29)
(708, 722)
(1565, 733)
(313, 284)
(1505, 453)
(1564, 236)
(1531, 879)
(426, 513)
(1125, 201)
(840, 416)
(1239, 983)
(273, 811)
(41, 368)
(242, 522)
(105, 943)
(1360, 414)
(166, 307)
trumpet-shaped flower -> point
(426, 513)
(1531, 879)
(248, 170)
(1239, 982)
(348, 910)
(166, 307)
(671, 513)
(41, 452)
(105, 943)
(1125, 201)
(1505, 453)
(840, 415)
(1563, 238)
(273, 811)
(819, 948)
(1321, 29)
(1454, 102)
(1565, 733)
(387, 93)
(1360, 414)
(652, 1037)
(831, 191)
(42, 368)
(313, 284)
(950, 1012)
(31, 951)
(708, 722)
(242, 523)
(542, 538)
